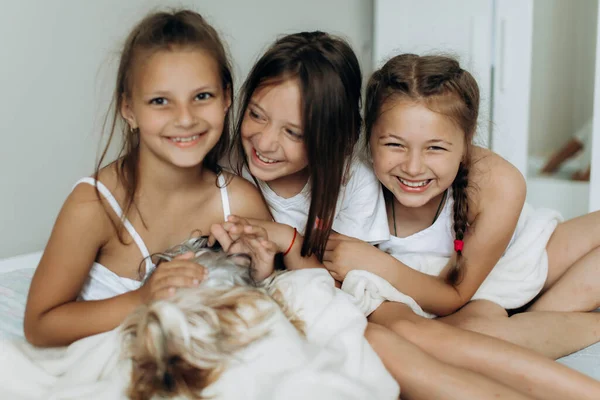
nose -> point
(413, 164)
(267, 139)
(185, 117)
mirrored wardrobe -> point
(535, 62)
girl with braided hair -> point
(465, 246)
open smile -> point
(414, 186)
(262, 158)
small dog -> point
(181, 345)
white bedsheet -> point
(336, 362)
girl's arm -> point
(53, 317)
(286, 240)
(247, 203)
(499, 190)
(245, 200)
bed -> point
(333, 362)
(16, 273)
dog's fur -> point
(181, 345)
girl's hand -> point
(344, 254)
(237, 235)
(181, 272)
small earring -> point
(134, 131)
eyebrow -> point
(197, 90)
(432, 141)
(255, 104)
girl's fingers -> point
(268, 246)
(175, 281)
(267, 253)
(163, 293)
(180, 263)
(191, 270)
(185, 256)
(257, 231)
(238, 220)
(220, 234)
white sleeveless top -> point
(437, 239)
(102, 283)
(515, 280)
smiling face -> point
(272, 134)
(416, 152)
(179, 105)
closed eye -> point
(394, 145)
(293, 134)
(437, 148)
(254, 115)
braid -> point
(461, 212)
(440, 84)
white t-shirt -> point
(360, 210)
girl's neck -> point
(290, 185)
(423, 216)
(155, 177)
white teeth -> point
(414, 184)
(264, 159)
(185, 139)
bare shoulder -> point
(85, 207)
(245, 199)
(494, 179)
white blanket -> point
(336, 362)
(515, 280)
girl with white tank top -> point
(96, 267)
(102, 283)
(465, 245)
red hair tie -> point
(458, 245)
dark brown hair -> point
(439, 83)
(330, 81)
(161, 31)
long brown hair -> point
(161, 31)
(439, 83)
(330, 82)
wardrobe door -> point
(594, 204)
(544, 65)
(513, 21)
(462, 28)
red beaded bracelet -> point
(291, 244)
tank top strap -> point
(224, 196)
(112, 201)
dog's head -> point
(181, 345)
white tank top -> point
(102, 283)
(437, 239)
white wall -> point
(461, 29)
(57, 72)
